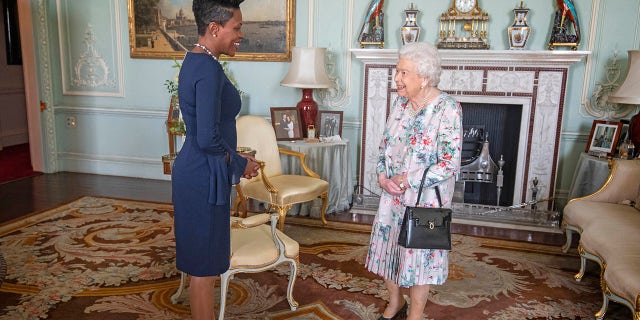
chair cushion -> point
(614, 233)
(582, 213)
(255, 247)
(291, 189)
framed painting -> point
(330, 123)
(603, 137)
(167, 29)
(286, 123)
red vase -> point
(308, 110)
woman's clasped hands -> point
(396, 185)
(251, 170)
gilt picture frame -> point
(603, 137)
(329, 123)
(286, 123)
(268, 27)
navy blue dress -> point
(206, 167)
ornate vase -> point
(410, 31)
(519, 31)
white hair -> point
(427, 60)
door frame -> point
(30, 73)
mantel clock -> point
(463, 26)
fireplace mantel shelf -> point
(516, 58)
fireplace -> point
(497, 125)
(525, 88)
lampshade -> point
(307, 69)
(629, 91)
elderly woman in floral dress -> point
(423, 131)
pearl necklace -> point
(413, 112)
(205, 50)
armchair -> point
(608, 222)
(279, 191)
(255, 247)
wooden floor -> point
(46, 191)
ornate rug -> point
(99, 258)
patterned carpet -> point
(98, 258)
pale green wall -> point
(124, 135)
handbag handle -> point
(424, 176)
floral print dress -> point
(431, 139)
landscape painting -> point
(166, 29)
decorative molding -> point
(90, 70)
(598, 106)
(44, 62)
(89, 74)
(148, 168)
(595, 104)
(504, 58)
(127, 113)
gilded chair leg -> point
(282, 212)
(236, 207)
(583, 268)
(323, 211)
(241, 200)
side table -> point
(591, 173)
(332, 161)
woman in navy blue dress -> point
(208, 164)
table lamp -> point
(629, 93)
(307, 71)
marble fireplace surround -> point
(534, 79)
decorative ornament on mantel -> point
(566, 26)
(463, 26)
(519, 31)
(372, 31)
(410, 31)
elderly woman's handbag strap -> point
(424, 176)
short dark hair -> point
(218, 11)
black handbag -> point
(426, 228)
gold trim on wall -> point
(144, 46)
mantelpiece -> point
(536, 80)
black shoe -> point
(402, 312)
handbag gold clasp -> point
(431, 225)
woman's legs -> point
(419, 296)
(201, 297)
(396, 299)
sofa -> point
(608, 222)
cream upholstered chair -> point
(255, 247)
(279, 191)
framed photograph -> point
(624, 133)
(330, 123)
(167, 29)
(286, 123)
(604, 137)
